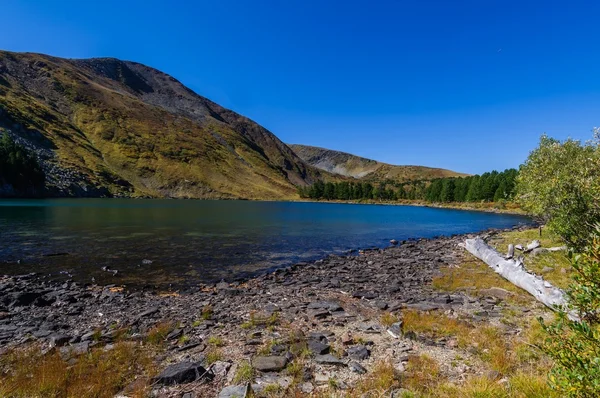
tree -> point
(560, 183)
(447, 193)
(474, 192)
(18, 167)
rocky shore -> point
(341, 314)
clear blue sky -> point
(464, 85)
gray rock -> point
(318, 348)
(59, 340)
(328, 360)
(395, 330)
(324, 305)
(74, 350)
(181, 373)
(423, 306)
(269, 364)
(307, 387)
(357, 368)
(221, 368)
(236, 391)
(148, 312)
(358, 352)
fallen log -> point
(514, 272)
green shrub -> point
(574, 345)
(560, 183)
(17, 167)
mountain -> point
(106, 127)
(367, 169)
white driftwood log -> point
(514, 272)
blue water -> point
(189, 241)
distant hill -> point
(106, 127)
(367, 169)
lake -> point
(180, 242)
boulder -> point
(358, 352)
(269, 364)
(318, 348)
(181, 373)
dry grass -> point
(381, 380)
(433, 324)
(102, 373)
(423, 374)
(388, 319)
(159, 332)
(473, 276)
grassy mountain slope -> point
(105, 126)
(367, 169)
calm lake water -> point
(188, 241)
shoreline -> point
(467, 206)
(450, 206)
(327, 298)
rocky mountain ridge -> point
(350, 165)
(106, 127)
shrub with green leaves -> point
(560, 183)
(18, 168)
(575, 344)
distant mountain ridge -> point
(106, 127)
(350, 165)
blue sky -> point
(464, 85)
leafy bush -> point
(560, 183)
(18, 168)
(575, 344)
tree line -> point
(491, 187)
(18, 167)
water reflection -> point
(190, 240)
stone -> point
(395, 330)
(358, 352)
(318, 348)
(307, 387)
(59, 340)
(318, 314)
(365, 295)
(369, 328)
(496, 292)
(269, 379)
(423, 306)
(357, 368)
(347, 338)
(442, 299)
(181, 373)
(393, 242)
(148, 312)
(74, 350)
(324, 305)
(269, 364)
(322, 378)
(25, 298)
(545, 270)
(221, 368)
(240, 391)
(328, 360)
